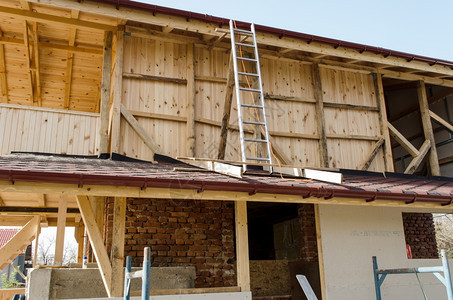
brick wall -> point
(420, 235)
(308, 241)
(181, 233)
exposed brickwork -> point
(181, 233)
(308, 241)
(420, 235)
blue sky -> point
(417, 27)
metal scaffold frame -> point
(380, 274)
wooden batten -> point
(3, 77)
(417, 160)
(190, 99)
(428, 129)
(324, 156)
(226, 109)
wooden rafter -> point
(40, 17)
(69, 62)
(3, 76)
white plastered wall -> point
(351, 235)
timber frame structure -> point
(101, 78)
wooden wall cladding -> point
(30, 129)
(159, 104)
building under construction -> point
(242, 155)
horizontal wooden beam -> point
(154, 78)
(195, 194)
(31, 15)
(20, 42)
(350, 106)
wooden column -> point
(96, 240)
(226, 110)
(242, 246)
(190, 95)
(387, 146)
(35, 252)
(117, 92)
(322, 278)
(117, 256)
(427, 128)
(61, 226)
(320, 116)
(105, 94)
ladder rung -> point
(250, 90)
(248, 74)
(254, 122)
(246, 58)
(255, 140)
(245, 45)
(252, 105)
(245, 32)
(257, 158)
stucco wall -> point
(351, 235)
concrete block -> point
(38, 284)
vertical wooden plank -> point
(117, 93)
(388, 157)
(242, 246)
(322, 278)
(119, 222)
(190, 98)
(80, 236)
(96, 240)
(105, 94)
(428, 128)
(61, 225)
(320, 116)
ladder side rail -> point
(260, 83)
(238, 94)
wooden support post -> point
(97, 243)
(242, 246)
(61, 226)
(19, 241)
(117, 92)
(322, 277)
(387, 146)
(413, 165)
(105, 94)
(119, 222)
(226, 110)
(427, 128)
(3, 76)
(320, 116)
(35, 252)
(79, 238)
(139, 130)
(190, 96)
(370, 157)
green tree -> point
(11, 282)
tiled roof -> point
(6, 234)
(356, 184)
